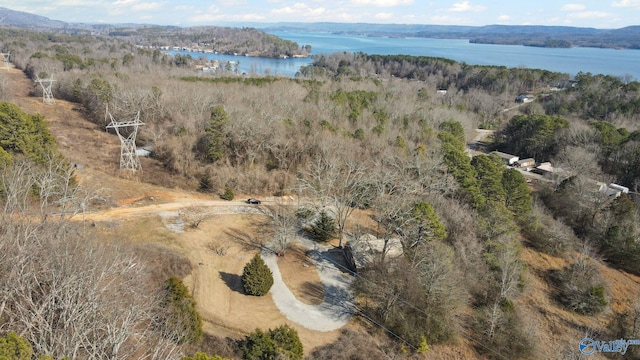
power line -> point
(414, 307)
(354, 308)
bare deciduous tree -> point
(579, 160)
(336, 180)
(284, 225)
(193, 216)
(68, 295)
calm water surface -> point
(571, 61)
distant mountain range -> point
(533, 35)
(10, 17)
(20, 19)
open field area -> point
(142, 213)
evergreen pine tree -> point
(181, 313)
(323, 229)
(518, 195)
(282, 342)
(429, 225)
(215, 134)
(257, 279)
(15, 347)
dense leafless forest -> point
(384, 134)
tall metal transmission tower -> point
(47, 95)
(5, 57)
(128, 156)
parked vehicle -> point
(254, 201)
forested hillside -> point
(223, 40)
(491, 263)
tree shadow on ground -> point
(313, 292)
(340, 301)
(233, 281)
(247, 240)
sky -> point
(603, 14)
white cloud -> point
(589, 15)
(317, 12)
(504, 17)
(382, 3)
(573, 7)
(75, 3)
(183, 8)
(287, 10)
(229, 3)
(383, 16)
(626, 3)
(147, 6)
(124, 2)
(465, 6)
(300, 9)
(212, 14)
(253, 17)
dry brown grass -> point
(214, 279)
(125, 216)
(300, 276)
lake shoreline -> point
(605, 61)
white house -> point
(507, 158)
(620, 188)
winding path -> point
(337, 308)
(333, 313)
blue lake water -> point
(571, 61)
(255, 65)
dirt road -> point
(134, 201)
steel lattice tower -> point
(128, 156)
(5, 57)
(47, 95)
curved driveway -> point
(337, 308)
(332, 314)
